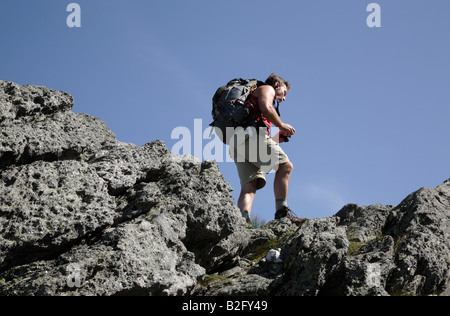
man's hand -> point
(280, 138)
(287, 130)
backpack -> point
(228, 105)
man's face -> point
(280, 92)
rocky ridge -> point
(84, 214)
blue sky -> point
(371, 106)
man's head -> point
(280, 85)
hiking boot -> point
(288, 213)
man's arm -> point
(265, 100)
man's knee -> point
(250, 187)
(287, 167)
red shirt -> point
(255, 112)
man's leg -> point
(281, 188)
(248, 192)
(281, 182)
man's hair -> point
(274, 78)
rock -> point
(310, 256)
(84, 214)
(126, 164)
(364, 223)
(247, 285)
(47, 207)
(365, 272)
(420, 226)
(55, 136)
(28, 103)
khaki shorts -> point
(255, 157)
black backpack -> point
(228, 106)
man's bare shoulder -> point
(266, 90)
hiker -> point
(248, 153)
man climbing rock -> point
(258, 154)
